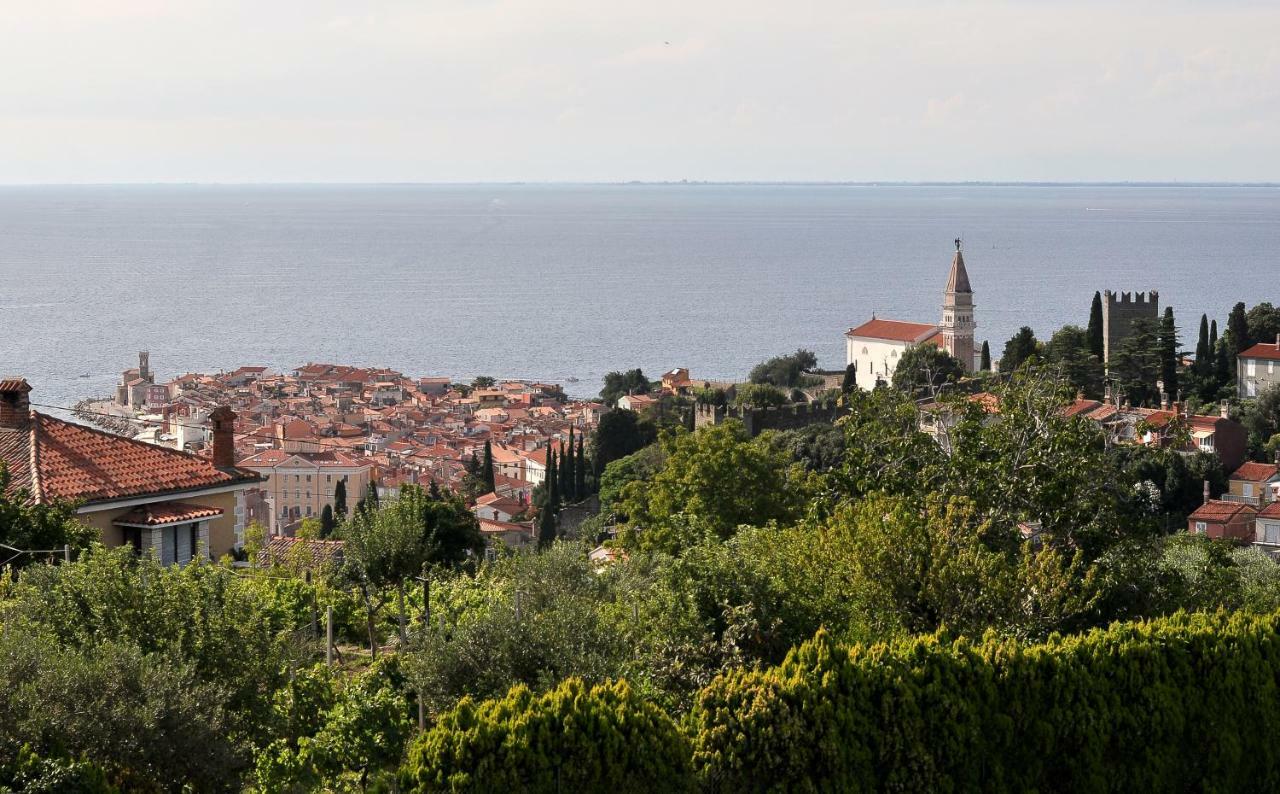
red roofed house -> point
(1254, 484)
(1220, 519)
(135, 493)
(1258, 368)
(300, 484)
(875, 346)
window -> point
(308, 478)
(1201, 527)
(1247, 489)
(328, 478)
(1272, 531)
(1251, 367)
(1251, 388)
(308, 511)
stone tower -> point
(957, 313)
(144, 366)
(1120, 311)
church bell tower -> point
(957, 313)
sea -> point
(565, 282)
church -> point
(875, 346)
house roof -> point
(1255, 472)
(1272, 510)
(894, 330)
(280, 549)
(160, 513)
(56, 459)
(1215, 510)
(1266, 350)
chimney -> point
(1164, 400)
(15, 406)
(1206, 492)
(223, 421)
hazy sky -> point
(480, 90)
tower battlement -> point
(1120, 310)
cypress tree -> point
(566, 470)
(1222, 373)
(340, 498)
(1094, 331)
(371, 496)
(1203, 351)
(546, 526)
(986, 356)
(1213, 336)
(326, 522)
(580, 472)
(551, 491)
(1168, 342)
(1237, 335)
(850, 381)
(433, 492)
(487, 471)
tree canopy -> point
(785, 372)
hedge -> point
(572, 738)
(1177, 704)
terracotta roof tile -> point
(894, 330)
(1272, 510)
(1262, 350)
(64, 460)
(166, 513)
(1215, 510)
(1255, 472)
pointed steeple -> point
(958, 281)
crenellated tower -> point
(957, 324)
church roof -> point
(958, 281)
(894, 330)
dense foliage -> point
(1114, 710)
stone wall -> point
(758, 420)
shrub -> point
(572, 738)
(1181, 703)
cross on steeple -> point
(957, 243)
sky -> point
(615, 90)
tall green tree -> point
(1020, 348)
(565, 480)
(580, 471)
(340, 498)
(1096, 346)
(551, 487)
(1204, 353)
(986, 356)
(923, 369)
(1069, 349)
(1264, 323)
(1237, 332)
(785, 372)
(371, 495)
(850, 381)
(1135, 365)
(618, 434)
(1168, 342)
(327, 522)
(487, 466)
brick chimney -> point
(15, 406)
(1206, 492)
(223, 421)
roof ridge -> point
(33, 459)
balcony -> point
(1254, 501)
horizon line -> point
(661, 183)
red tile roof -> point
(1262, 350)
(158, 513)
(894, 330)
(1215, 510)
(56, 459)
(1255, 472)
(280, 549)
(1272, 510)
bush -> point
(1177, 704)
(572, 738)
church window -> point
(864, 350)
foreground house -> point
(134, 493)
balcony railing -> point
(1255, 501)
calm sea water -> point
(571, 281)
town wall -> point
(758, 420)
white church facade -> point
(875, 346)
